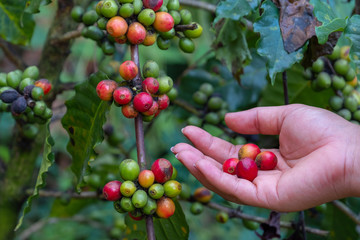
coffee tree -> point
(93, 94)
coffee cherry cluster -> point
(335, 71)
(250, 160)
(22, 95)
(143, 193)
(213, 108)
(138, 22)
(148, 99)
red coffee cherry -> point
(117, 26)
(162, 170)
(165, 207)
(146, 178)
(163, 22)
(105, 89)
(150, 85)
(111, 191)
(129, 111)
(128, 70)
(153, 4)
(229, 166)
(122, 95)
(163, 101)
(143, 102)
(249, 150)
(136, 218)
(266, 160)
(247, 169)
(153, 110)
(202, 195)
(136, 33)
(44, 84)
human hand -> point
(318, 158)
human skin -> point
(318, 158)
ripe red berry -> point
(165, 207)
(129, 111)
(128, 70)
(150, 85)
(153, 4)
(122, 95)
(153, 110)
(229, 166)
(105, 89)
(136, 33)
(162, 170)
(249, 150)
(136, 218)
(44, 84)
(117, 26)
(203, 195)
(163, 22)
(111, 191)
(247, 169)
(163, 101)
(146, 178)
(266, 160)
(143, 102)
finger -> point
(213, 147)
(261, 120)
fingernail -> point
(182, 130)
(172, 149)
(194, 165)
(176, 155)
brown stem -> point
(67, 36)
(182, 28)
(11, 56)
(238, 214)
(285, 87)
(139, 132)
(187, 107)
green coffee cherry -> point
(94, 33)
(126, 204)
(347, 90)
(168, 35)
(156, 191)
(336, 103)
(3, 82)
(102, 23)
(222, 114)
(335, 53)
(172, 94)
(185, 191)
(321, 208)
(251, 225)
(117, 206)
(129, 169)
(172, 188)
(30, 131)
(216, 102)
(195, 33)
(174, 174)
(200, 97)
(338, 82)
(345, 113)
(323, 80)
(173, 5)
(186, 16)
(342, 66)
(127, 188)
(186, 45)
(151, 69)
(108, 48)
(212, 118)
(351, 103)
(165, 84)
(207, 88)
(90, 17)
(138, 4)
(39, 108)
(24, 83)
(47, 113)
(307, 74)
(37, 93)
(350, 75)
(146, 17)
(196, 208)
(98, 7)
(13, 79)
(139, 199)
(109, 8)
(194, 121)
(222, 217)
(318, 65)
(176, 16)
(162, 43)
(150, 207)
(31, 72)
(77, 13)
(126, 10)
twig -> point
(285, 87)
(58, 194)
(67, 36)
(233, 213)
(11, 56)
(186, 106)
(345, 209)
(182, 28)
(203, 5)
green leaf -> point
(299, 91)
(327, 17)
(231, 46)
(270, 45)
(17, 26)
(34, 5)
(352, 32)
(174, 227)
(232, 9)
(47, 161)
(83, 121)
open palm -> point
(316, 159)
